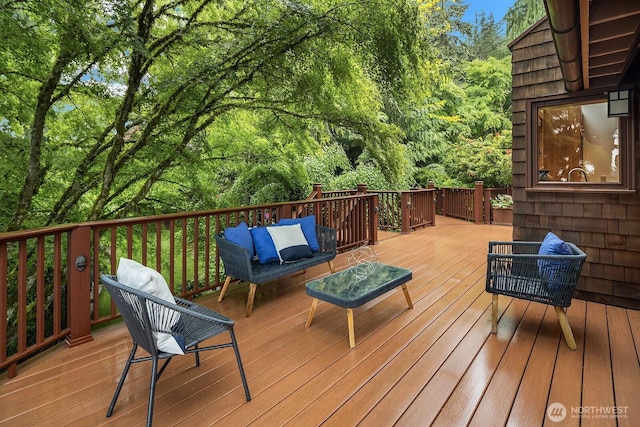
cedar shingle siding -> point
(605, 226)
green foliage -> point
(481, 160)
(363, 174)
(486, 39)
(268, 183)
(447, 29)
(329, 162)
(502, 201)
(116, 103)
(112, 109)
(437, 174)
(522, 15)
(488, 96)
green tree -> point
(120, 98)
(268, 183)
(488, 96)
(486, 38)
(448, 31)
(522, 15)
(49, 46)
(485, 159)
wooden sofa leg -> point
(494, 313)
(224, 288)
(250, 298)
(566, 328)
(331, 267)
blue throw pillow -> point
(550, 269)
(290, 242)
(308, 224)
(265, 249)
(240, 235)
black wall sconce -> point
(619, 103)
(81, 262)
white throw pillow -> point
(290, 242)
(148, 280)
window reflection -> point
(578, 143)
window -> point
(577, 145)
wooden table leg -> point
(406, 295)
(312, 311)
(352, 335)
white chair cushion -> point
(148, 280)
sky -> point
(496, 7)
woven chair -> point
(517, 270)
(188, 322)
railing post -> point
(79, 286)
(362, 188)
(445, 200)
(487, 206)
(284, 211)
(317, 190)
(432, 186)
(374, 217)
(478, 205)
(405, 209)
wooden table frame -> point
(350, 323)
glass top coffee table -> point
(355, 286)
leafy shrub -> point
(363, 174)
(435, 172)
(268, 183)
(502, 201)
(481, 160)
(332, 161)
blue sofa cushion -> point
(308, 224)
(290, 242)
(240, 235)
(550, 270)
(265, 249)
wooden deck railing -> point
(470, 204)
(49, 278)
(397, 210)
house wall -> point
(605, 225)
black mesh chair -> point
(516, 269)
(188, 322)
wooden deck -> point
(435, 364)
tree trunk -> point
(35, 171)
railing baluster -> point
(40, 295)
(196, 242)
(57, 283)
(184, 256)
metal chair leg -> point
(239, 360)
(122, 378)
(152, 390)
